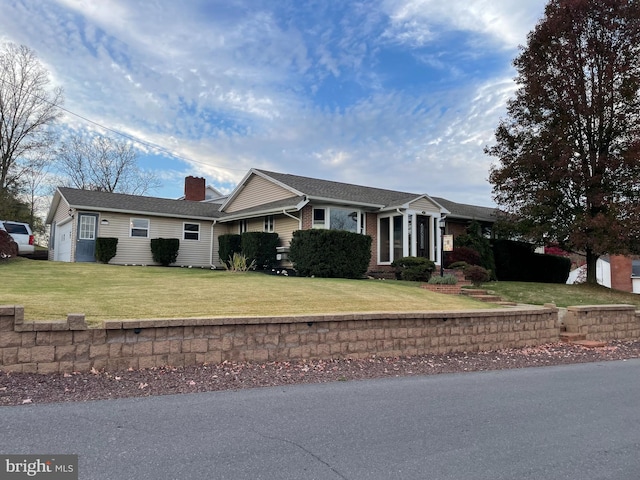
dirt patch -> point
(22, 389)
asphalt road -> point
(567, 422)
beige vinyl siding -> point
(424, 204)
(284, 227)
(137, 250)
(258, 191)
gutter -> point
(213, 267)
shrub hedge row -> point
(517, 262)
(330, 253)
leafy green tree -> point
(569, 149)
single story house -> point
(400, 223)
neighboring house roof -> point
(134, 204)
(212, 195)
(468, 212)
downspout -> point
(211, 265)
(284, 212)
(404, 244)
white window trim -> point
(405, 235)
(243, 226)
(269, 224)
(132, 228)
(185, 231)
(361, 226)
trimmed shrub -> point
(477, 274)
(550, 268)
(513, 259)
(517, 262)
(106, 248)
(165, 250)
(458, 265)
(228, 245)
(259, 247)
(413, 269)
(462, 254)
(330, 253)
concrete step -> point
(487, 298)
(590, 343)
(570, 337)
(474, 291)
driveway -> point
(566, 422)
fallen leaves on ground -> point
(24, 389)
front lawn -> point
(560, 294)
(51, 290)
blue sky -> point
(394, 94)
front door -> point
(422, 234)
(86, 241)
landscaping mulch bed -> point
(24, 389)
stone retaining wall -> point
(604, 322)
(47, 347)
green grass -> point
(561, 295)
(51, 290)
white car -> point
(21, 234)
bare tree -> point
(103, 163)
(27, 110)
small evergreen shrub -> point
(165, 250)
(458, 265)
(330, 253)
(444, 280)
(260, 247)
(106, 248)
(414, 269)
(477, 274)
(228, 245)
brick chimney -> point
(621, 269)
(194, 189)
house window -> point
(390, 238)
(191, 231)
(318, 218)
(243, 226)
(384, 240)
(344, 219)
(139, 227)
(87, 228)
(269, 225)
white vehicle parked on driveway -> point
(21, 234)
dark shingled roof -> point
(468, 212)
(347, 192)
(115, 202)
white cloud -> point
(231, 86)
(506, 22)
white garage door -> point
(63, 243)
